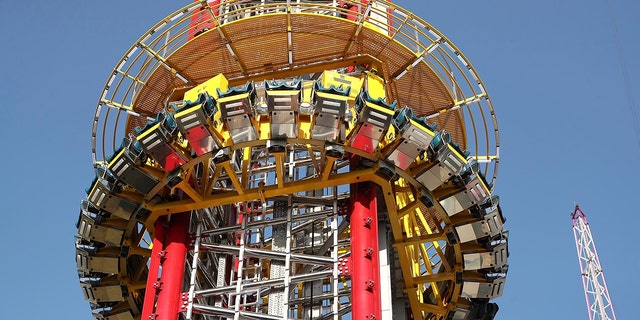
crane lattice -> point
(595, 288)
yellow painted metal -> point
(331, 78)
(113, 161)
(264, 127)
(304, 126)
(210, 86)
(307, 92)
(374, 85)
(148, 132)
(270, 191)
(328, 166)
(187, 111)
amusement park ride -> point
(293, 160)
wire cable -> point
(625, 73)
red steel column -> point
(148, 308)
(365, 276)
(170, 295)
(163, 294)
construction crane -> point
(595, 288)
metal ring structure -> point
(257, 120)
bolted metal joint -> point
(370, 284)
(368, 252)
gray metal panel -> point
(376, 118)
(241, 129)
(471, 231)
(277, 101)
(479, 260)
(450, 161)
(412, 150)
(243, 134)
(89, 230)
(284, 130)
(105, 293)
(417, 136)
(139, 180)
(190, 120)
(241, 121)
(490, 226)
(331, 106)
(434, 177)
(99, 194)
(102, 198)
(88, 263)
(235, 107)
(501, 255)
(486, 290)
(120, 207)
(404, 155)
(324, 133)
(477, 190)
(327, 120)
(283, 117)
(494, 225)
(457, 202)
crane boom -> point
(595, 288)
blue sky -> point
(551, 68)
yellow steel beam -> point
(328, 166)
(219, 199)
(233, 177)
(419, 239)
(433, 278)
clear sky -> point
(551, 69)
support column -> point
(170, 296)
(163, 295)
(153, 280)
(365, 279)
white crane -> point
(595, 288)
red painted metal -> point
(162, 299)
(148, 307)
(355, 9)
(198, 24)
(365, 260)
(177, 242)
(166, 266)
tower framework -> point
(595, 287)
(293, 160)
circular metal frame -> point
(420, 69)
(423, 69)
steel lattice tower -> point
(595, 288)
